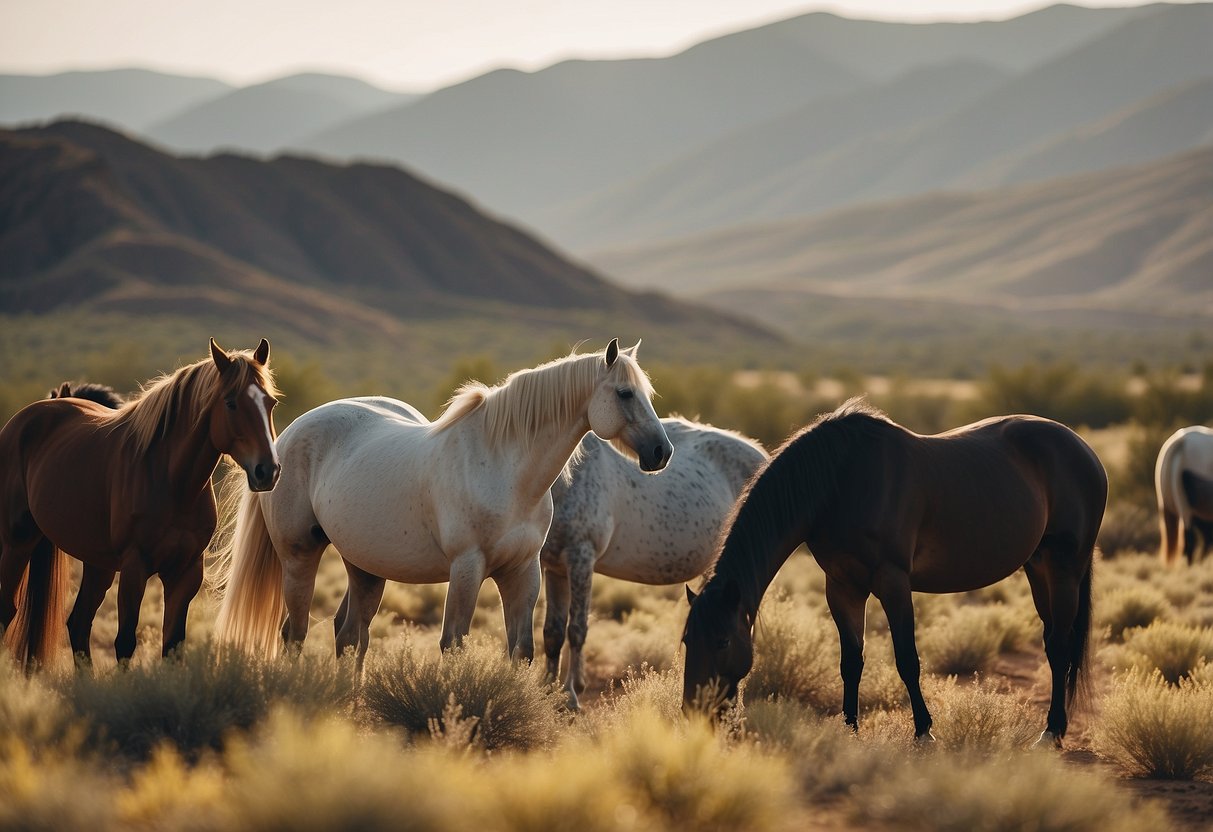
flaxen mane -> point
(518, 407)
(189, 389)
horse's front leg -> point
(95, 582)
(848, 607)
(132, 582)
(467, 574)
(519, 588)
(892, 586)
(180, 587)
(361, 603)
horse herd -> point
(508, 484)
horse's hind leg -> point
(94, 583)
(892, 586)
(1169, 532)
(519, 588)
(580, 561)
(1059, 576)
(848, 606)
(555, 619)
(361, 603)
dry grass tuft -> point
(1128, 607)
(795, 656)
(508, 701)
(976, 717)
(1175, 650)
(965, 642)
(1155, 729)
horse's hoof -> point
(574, 705)
(924, 739)
(1048, 741)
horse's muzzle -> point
(656, 456)
(263, 476)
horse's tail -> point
(1172, 501)
(34, 637)
(1080, 641)
(250, 573)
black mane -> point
(102, 394)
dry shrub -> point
(414, 690)
(1128, 527)
(32, 714)
(51, 793)
(420, 604)
(643, 690)
(647, 635)
(965, 642)
(976, 717)
(795, 656)
(1136, 606)
(960, 793)
(196, 699)
(1175, 650)
(1155, 729)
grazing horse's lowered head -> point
(719, 642)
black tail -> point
(1080, 641)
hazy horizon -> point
(404, 46)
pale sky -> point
(401, 44)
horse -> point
(404, 499)
(612, 519)
(126, 490)
(1188, 449)
(102, 394)
(887, 512)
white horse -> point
(654, 530)
(1188, 449)
(463, 498)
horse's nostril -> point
(260, 472)
(658, 453)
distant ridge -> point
(93, 219)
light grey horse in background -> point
(612, 519)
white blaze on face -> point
(254, 393)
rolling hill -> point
(1155, 52)
(128, 98)
(92, 220)
(1129, 242)
(269, 117)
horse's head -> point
(241, 417)
(719, 640)
(621, 409)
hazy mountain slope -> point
(130, 98)
(269, 117)
(1170, 122)
(1138, 238)
(716, 185)
(93, 219)
(518, 142)
(884, 50)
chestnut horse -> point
(887, 512)
(124, 490)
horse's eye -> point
(231, 404)
(625, 393)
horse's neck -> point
(186, 455)
(537, 460)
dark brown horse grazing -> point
(102, 394)
(887, 512)
(126, 490)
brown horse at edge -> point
(125, 491)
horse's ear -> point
(222, 362)
(691, 596)
(262, 354)
(632, 350)
(612, 352)
(64, 391)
